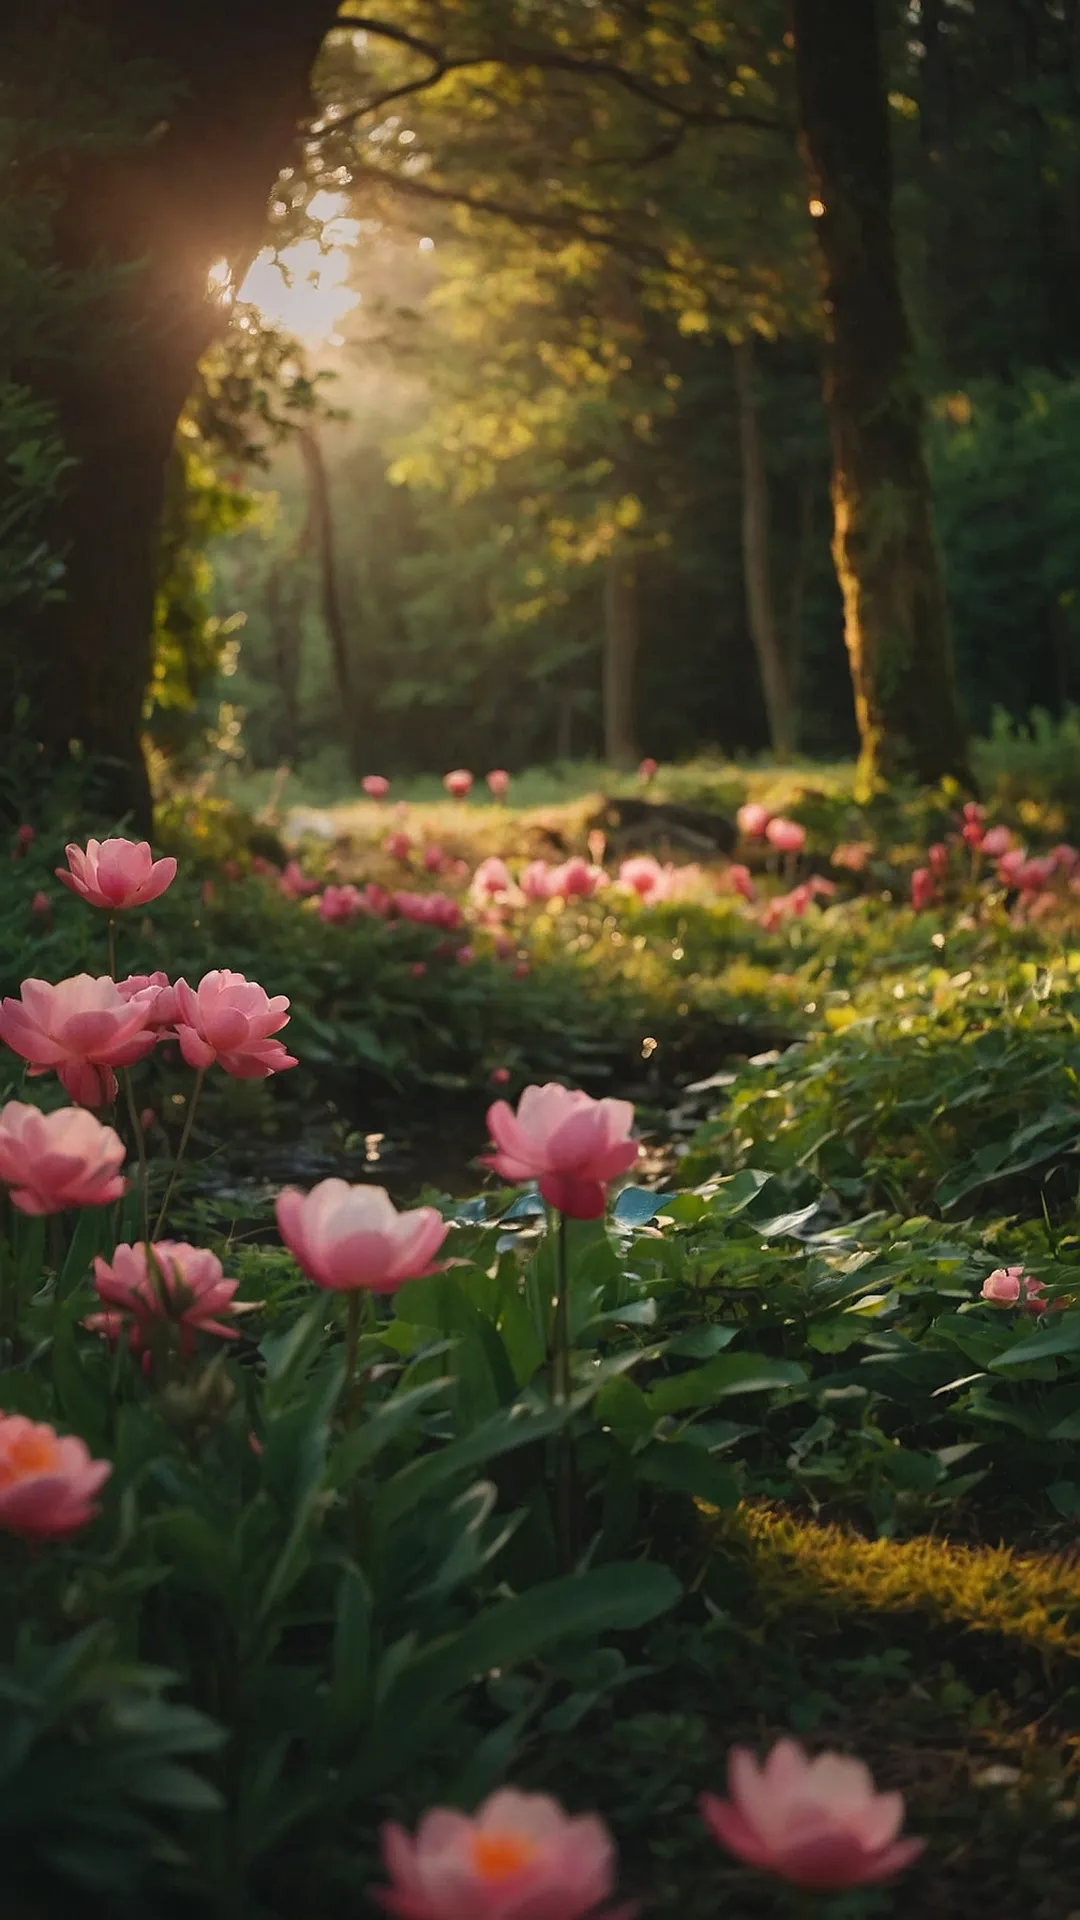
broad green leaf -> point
(728, 1373)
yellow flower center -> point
(498, 1855)
(21, 1459)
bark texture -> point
(887, 560)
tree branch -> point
(605, 233)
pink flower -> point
(974, 814)
(116, 874)
(458, 784)
(1034, 875)
(737, 879)
(972, 834)
(521, 971)
(24, 840)
(418, 969)
(434, 859)
(499, 1076)
(347, 1238)
(519, 1857)
(1011, 865)
(492, 881)
(166, 1284)
(536, 881)
(1012, 1287)
(938, 858)
(1065, 858)
(785, 835)
(853, 855)
(230, 1020)
(568, 1142)
(647, 878)
(465, 956)
(498, 782)
(155, 994)
(576, 879)
(57, 1160)
(923, 889)
(294, 882)
(375, 786)
(207, 892)
(647, 770)
(83, 1028)
(996, 841)
(41, 905)
(337, 904)
(753, 820)
(398, 845)
(47, 1483)
(819, 1823)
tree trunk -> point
(325, 549)
(620, 657)
(895, 615)
(760, 610)
(165, 206)
(283, 617)
(800, 571)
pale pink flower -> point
(56, 1160)
(753, 820)
(155, 994)
(458, 783)
(576, 879)
(1065, 858)
(492, 881)
(852, 855)
(498, 782)
(737, 879)
(818, 1823)
(536, 881)
(785, 835)
(647, 878)
(996, 841)
(647, 770)
(519, 1857)
(167, 1284)
(47, 1482)
(116, 874)
(80, 1027)
(230, 1020)
(571, 1144)
(348, 1238)
(923, 889)
(1013, 1287)
(375, 785)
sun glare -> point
(303, 288)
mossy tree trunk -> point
(887, 560)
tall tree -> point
(887, 561)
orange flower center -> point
(21, 1459)
(498, 1855)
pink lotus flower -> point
(1013, 1287)
(348, 1238)
(41, 906)
(230, 1020)
(166, 1284)
(923, 889)
(56, 1160)
(938, 858)
(818, 1823)
(492, 881)
(572, 1145)
(47, 1483)
(576, 879)
(996, 841)
(375, 786)
(295, 883)
(647, 878)
(519, 1857)
(737, 879)
(752, 820)
(647, 770)
(458, 783)
(155, 993)
(82, 1028)
(498, 782)
(397, 845)
(116, 874)
(785, 835)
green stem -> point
(139, 1138)
(565, 1463)
(560, 1372)
(112, 945)
(352, 1336)
(181, 1149)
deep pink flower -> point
(337, 904)
(41, 905)
(348, 1238)
(499, 1076)
(647, 878)
(458, 783)
(82, 1028)
(465, 956)
(428, 910)
(938, 859)
(56, 1160)
(647, 770)
(24, 839)
(923, 889)
(573, 1145)
(974, 814)
(752, 820)
(155, 993)
(375, 785)
(434, 859)
(295, 883)
(1013, 1287)
(785, 835)
(818, 1823)
(519, 1857)
(418, 969)
(576, 879)
(167, 1284)
(116, 874)
(398, 845)
(737, 879)
(536, 880)
(971, 833)
(230, 1020)
(47, 1482)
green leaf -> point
(728, 1373)
(688, 1469)
(1060, 1338)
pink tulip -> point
(116, 874)
(166, 1284)
(458, 784)
(155, 993)
(294, 882)
(375, 786)
(737, 879)
(519, 1857)
(348, 1238)
(752, 820)
(56, 1160)
(83, 1028)
(647, 878)
(398, 845)
(785, 835)
(230, 1020)
(47, 1483)
(818, 1823)
(492, 881)
(41, 906)
(923, 889)
(498, 782)
(568, 1142)
(938, 859)
(996, 841)
(647, 770)
(1013, 1287)
(576, 879)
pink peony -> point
(56, 1160)
(155, 993)
(338, 904)
(434, 859)
(458, 784)
(83, 1028)
(166, 1284)
(1013, 1287)
(519, 1857)
(47, 1483)
(785, 835)
(464, 956)
(375, 786)
(923, 889)
(1065, 858)
(499, 1076)
(996, 841)
(492, 881)
(24, 840)
(428, 910)
(819, 1823)
(647, 770)
(568, 1142)
(116, 874)
(498, 782)
(647, 878)
(348, 1238)
(294, 882)
(230, 1020)
(576, 879)
(753, 820)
